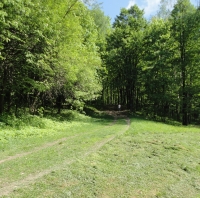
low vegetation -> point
(81, 156)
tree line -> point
(50, 53)
(154, 66)
(54, 52)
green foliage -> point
(14, 128)
(165, 8)
(102, 23)
(47, 51)
(11, 121)
(153, 67)
(124, 54)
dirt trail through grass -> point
(31, 178)
(49, 144)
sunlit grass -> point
(151, 159)
(25, 133)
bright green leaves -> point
(77, 54)
(47, 48)
(102, 23)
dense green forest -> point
(153, 66)
(55, 53)
(50, 53)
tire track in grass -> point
(44, 146)
(100, 144)
(4, 191)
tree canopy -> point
(49, 52)
(54, 52)
(153, 66)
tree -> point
(46, 52)
(24, 49)
(77, 54)
(125, 49)
(181, 31)
(102, 23)
(165, 8)
(159, 74)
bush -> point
(7, 120)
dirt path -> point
(36, 149)
(47, 145)
(30, 179)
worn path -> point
(8, 188)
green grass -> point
(23, 134)
(150, 159)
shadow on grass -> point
(94, 113)
(89, 114)
(67, 115)
(140, 117)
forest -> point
(56, 54)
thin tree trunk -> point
(1, 102)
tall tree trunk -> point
(2, 90)
(34, 103)
(183, 75)
(1, 102)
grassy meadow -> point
(80, 156)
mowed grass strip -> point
(150, 160)
(54, 157)
(14, 141)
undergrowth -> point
(26, 125)
(14, 129)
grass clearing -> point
(150, 159)
(26, 136)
